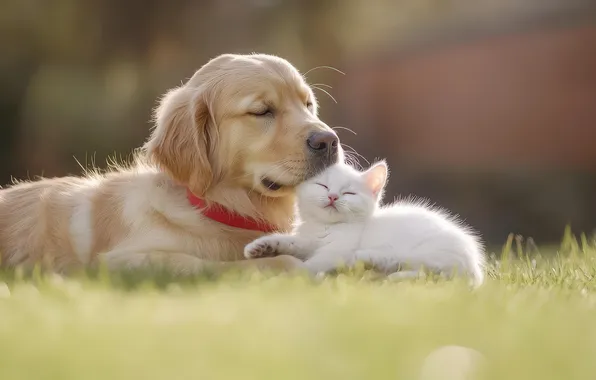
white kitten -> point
(342, 222)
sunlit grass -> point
(535, 318)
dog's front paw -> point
(261, 248)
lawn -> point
(535, 318)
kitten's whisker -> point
(355, 152)
(352, 160)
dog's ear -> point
(181, 142)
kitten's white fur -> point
(357, 228)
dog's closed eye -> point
(266, 111)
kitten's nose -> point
(333, 197)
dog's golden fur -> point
(209, 137)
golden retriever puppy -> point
(219, 170)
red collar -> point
(227, 217)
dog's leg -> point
(178, 263)
(182, 263)
(281, 263)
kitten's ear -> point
(376, 177)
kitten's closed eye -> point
(320, 184)
(348, 193)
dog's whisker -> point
(242, 176)
(282, 165)
(324, 91)
(280, 175)
(344, 128)
(321, 84)
(278, 165)
(324, 67)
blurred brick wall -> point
(471, 108)
(489, 127)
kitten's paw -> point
(261, 248)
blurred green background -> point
(487, 107)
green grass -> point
(535, 318)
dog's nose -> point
(323, 142)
